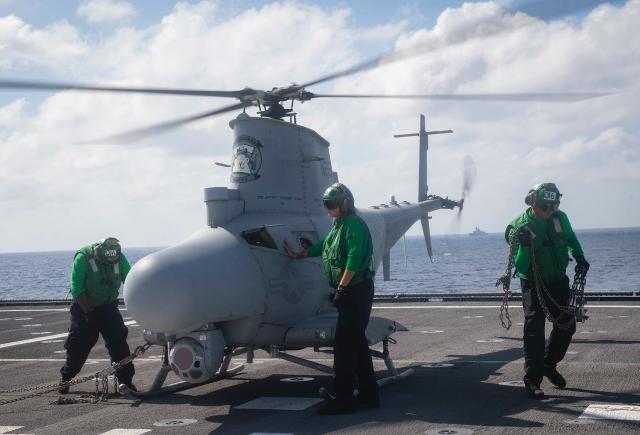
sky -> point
(56, 194)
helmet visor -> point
(548, 207)
(331, 204)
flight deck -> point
(468, 373)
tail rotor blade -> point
(468, 180)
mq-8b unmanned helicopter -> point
(230, 288)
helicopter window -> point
(305, 243)
(259, 237)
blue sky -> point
(153, 189)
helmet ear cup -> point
(530, 198)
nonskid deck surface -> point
(461, 355)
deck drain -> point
(432, 331)
(513, 383)
(297, 379)
(572, 352)
(472, 317)
(580, 421)
(175, 422)
(449, 431)
(51, 341)
(436, 365)
(491, 340)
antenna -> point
(423, 187)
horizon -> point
(409, 236)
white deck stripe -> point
(125, 432)
(44, 338)
(43, 310)
(329, 360)
(612, 412)
(5, 429)
(475, 307)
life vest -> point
(550, 245)
(103, 280)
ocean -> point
(462, 263)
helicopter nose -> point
(209, 277)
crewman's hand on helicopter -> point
(524, 236)
(582, 265)
(292, 253)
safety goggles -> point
(331, 204)
(548, 207)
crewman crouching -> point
(98, 271)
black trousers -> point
(351, 356)
(83, 336)
(536, 354)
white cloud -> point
(105, 11)
(149, 193)
(56, 45)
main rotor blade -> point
(53, 86)
(549, 97)
(545, 9)
(140, 133)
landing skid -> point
(157, 389)
(393, 377)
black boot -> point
(63, 386)
(554, 377)
(533, 390)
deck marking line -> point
(44, 338)
(41, 310)
(280, 403)
(5, 429)
(125, 432)
(474, 307)
(612, 412)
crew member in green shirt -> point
(546, 231)
(347, 261)
(98, 271)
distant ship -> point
(478, 232)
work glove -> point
(524, 236)
(582, 264)
(339, 296)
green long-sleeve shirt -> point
(99, 287)
(553, 241)
(348, 245)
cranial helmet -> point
(543, 193)
(108, 250)
(336, 195)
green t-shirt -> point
(554, 240)
(347, 246)
(100, 287)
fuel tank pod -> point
(208, 278)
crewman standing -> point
(544, 239)
(97, 273)
(347, 261)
